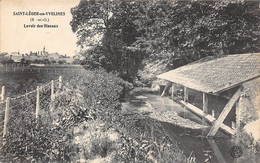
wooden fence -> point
(41, 96)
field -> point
(19, 80)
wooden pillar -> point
(186, 94)
(237, 121)
(37, 103)
(6, 116)
(233, 125)
(52, 90)
(60, 82)
(3, 93)
(213, 113)
(172, 90)
(205, 103)
(204, 123)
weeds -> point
(83, 116)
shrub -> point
(142, 138)
(48, 139)
(87, 109)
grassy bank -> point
(87, 124)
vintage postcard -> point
(100, 81)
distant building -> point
(39, 56)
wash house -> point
(213, 88)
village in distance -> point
(38, 59)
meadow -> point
(19, 80)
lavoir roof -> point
(216, 75)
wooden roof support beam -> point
(237, 122)
(205, 103)
(224, 113)
(186, 94)
(172, 93)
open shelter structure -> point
(216, 79)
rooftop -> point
(216, 75)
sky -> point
(15, 37)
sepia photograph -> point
(130, 81)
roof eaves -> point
(234, 85)
(187, 83)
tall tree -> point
(166, 32)
(118, 31)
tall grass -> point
(93, 97)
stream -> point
(192, 141)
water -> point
(190, 140)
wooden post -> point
(237, 120)
(52, 90)
(213, 113)
(6, 116)
(172, 90)
(37, 103)
(204, 123)
(60, 82)
(205, 103)
(26, 94)
(186, 94)
(233, 125)
(224, 113)
(3, 93)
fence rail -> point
(26, 104)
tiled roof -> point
(216, 75)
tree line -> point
(139, 39)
